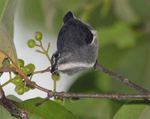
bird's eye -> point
(57, 55)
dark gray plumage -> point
(76, 47)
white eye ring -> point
(54, 57)
(53, 60)
(58, 55)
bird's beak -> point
(54, 68)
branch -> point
(10, 106)
(122, 79)
(77, 95)
(116, 96)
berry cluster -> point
(32, 43)
(38, 37)
(28, 69)
(18, 81)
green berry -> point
(6, 62)
(38, 36)
(55, 76)
(26, 88)
(26, 70)
(21, 62)
(31, 43)
(19, 89)
(17, 80)
(31, 67)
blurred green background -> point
(123, 32)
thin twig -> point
(54, 88)
(48, 47)
(43, 71)
(39, 51)
(124, 80)
(7, 82)
(46, 52)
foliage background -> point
(123, 32)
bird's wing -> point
(74, 33)
(90, 34)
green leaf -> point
(14, 98)
(119, 34)
(6, 28)
(5, 114)
(93, 108)
(48, 110)
(133, 111)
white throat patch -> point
(72, 65)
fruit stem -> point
(54, 88)
(45, 52)
(4, 84)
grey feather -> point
(76, 44)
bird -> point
(77, 47)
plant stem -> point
(46, 52)
(7, 82)
(42, 71)
(54, 88)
